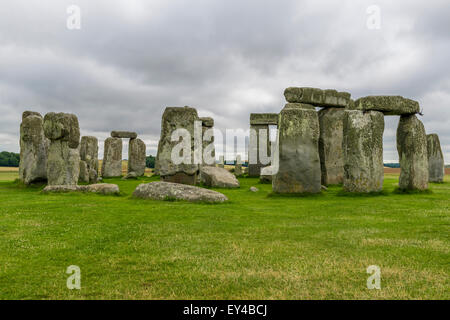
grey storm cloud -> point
(132, 58)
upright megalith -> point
(331, 121)
(221, 162)
(208, 148)
(33, 148)
(112, 158)
(363, 151)
(298, 149)
(259, 141)
(176, 146)
(413, 153)
(63, 162)
(136, 157)
(89, 159)
(436, 165)
(238, 166)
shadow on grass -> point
(404, 191)
(347, 194)
(294, 195)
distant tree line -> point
(9, 159)
(150, 162)
(392, 165)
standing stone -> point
(221, 162)
(331, 152)
(436, 166)
(412, 153)
(63, 162)
(259, 136)
(136, 157)
(298, 150)
(112, 158)
(89, 159)
(208, 147)
(363, 151)
(172, 171)
(33, 148)
(238, 166)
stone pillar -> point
(436, 165)
(170, 171)
(238, 166)
(208, 147)
(89, 159)
(363, 151)
(412, 153)
(33, 149)
(331, 122)
(112, 158)
(221, 162)
(63, 162)
(298, 149)
(257, 132)
(136, 157)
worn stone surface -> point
(207, 122)
(254, 189)
(264, 118)
(62, 126)
(89, 159)
(136, 156)
(130, 175)
(331, 121)
(298, 152)
(266, 175)
(112, 158)
(63, 163)
(238, 166)
(317, 97)
(33, 149)
(363, 151)
(218, 177)
(174, 191)
(389, 105)
(177, 118)
(124, 134)
(221, 162)
(413, 153)
(208, 151)
(101, 188)
(258, 149)
(436, 165)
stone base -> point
(181, 177)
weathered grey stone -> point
(299, 105)
(130, 175)
(33, 149)
(363, 151)
(254, 189)
(264, 118)
(62, 126)
(174, 191)
(238, 166)
(208, 148)
(331, 121)
(218, 178)
(207, 122)
(298, 150)
(258, 149)
(124, 134)
(221, 162)
(112, 158)
(60, 188)
(101, 188)
(63, 163)
(89, 159)
(266, 175)
(389, 105)
(136, 157)
(187, 171)
(412, 153)
(317, 97)
(436, 165)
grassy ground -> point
(254, 247)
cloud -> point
(131, 59)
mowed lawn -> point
(254, 247)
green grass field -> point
(254, 247)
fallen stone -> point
(174, 191)
(112, 158)
(60, 188)
(238, 166)
(124, 134)
(317, 97)
(218, 178)
(130, 175)
(436, 165)
(363, 151)
(389, 105)
(33, 149)
(266, 175)
(331, 121)
(136, 157)
(254, 189)
(298, 152)
(101, 188)
(412, 153)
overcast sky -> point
(132, 58)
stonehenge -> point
(63, 160)
(221, 162)
(136, 156)
(112, 158)
(298, 148)
(33, 149)
(436, 166)
(317, 97)
(388, 105)
(412, 153)
(363, 151)
(238, 166)
(89, 159)
(259, 129)
(209, 151)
